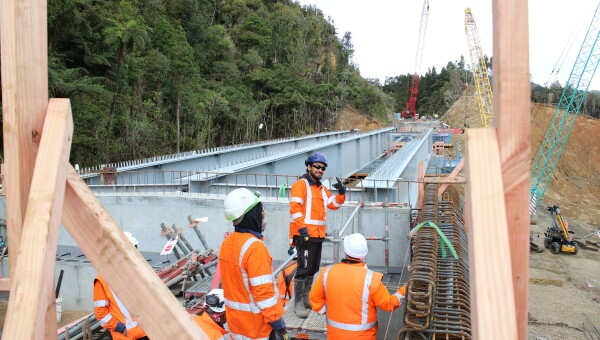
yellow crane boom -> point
(482, 81)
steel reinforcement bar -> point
(438, 303)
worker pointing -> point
(254, 310)
(350, 293)
(308, 212)
(110, 311)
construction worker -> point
(252, 300)
(213, 318)
(349, 293)
(285, 282)
(308, 212)
(110, 311)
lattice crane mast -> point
(571, 101)
(482, 81)
(411, 103)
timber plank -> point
(32, 291)
(492, 299)
(511, 109)
(146, 297)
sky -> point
(385, 33)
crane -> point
(571, 101)
(411, 103)
(480, 74)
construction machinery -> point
(410, 112)
(567, 110)
(480, 74)
(557, 236)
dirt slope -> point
(350, 118)
(564, 290)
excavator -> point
(557, 236)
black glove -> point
(121, 328)
(279, 329)
(291, 250)
(340, 186)
(282, 335)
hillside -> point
(575, 186)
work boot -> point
(299, 293)
(307, 287)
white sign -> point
(169, 246)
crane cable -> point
(554, 75)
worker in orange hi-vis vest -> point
(252, 303)
(213, 318)
(308, 212)
(110, 311)
(285, 282)
(350, 293)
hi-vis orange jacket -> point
(308, 208)
(211, 328)
(252, 298)
(109, 311)
(285, 282)
(350, 293)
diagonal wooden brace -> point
(102, 241)
(31, 311)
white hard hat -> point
(239, 202)
(355, 245)
(131, 238)
(217, 306)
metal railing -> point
(164, 182)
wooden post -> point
(31, 307)
(454, 173)
(24, 56)
(421, 185)
(492, 299)
(512, 119)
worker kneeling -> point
(213, 318)
(254, 310)
(349, 293)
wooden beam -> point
(454, 173)
(4, 285)
(445, 180)
(24, 54)
(146, 297)
(421, 185)
(31, 308)
(512, 119)
(489, 252)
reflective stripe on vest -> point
(253, 306)
(100, 303)
(261, 280)
(297, 199)
(105, 319)
(129, 323)
(307, 218)
(351, 327)
(296, 215)
(364, 306)
(242, 337)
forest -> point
(156, 77)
